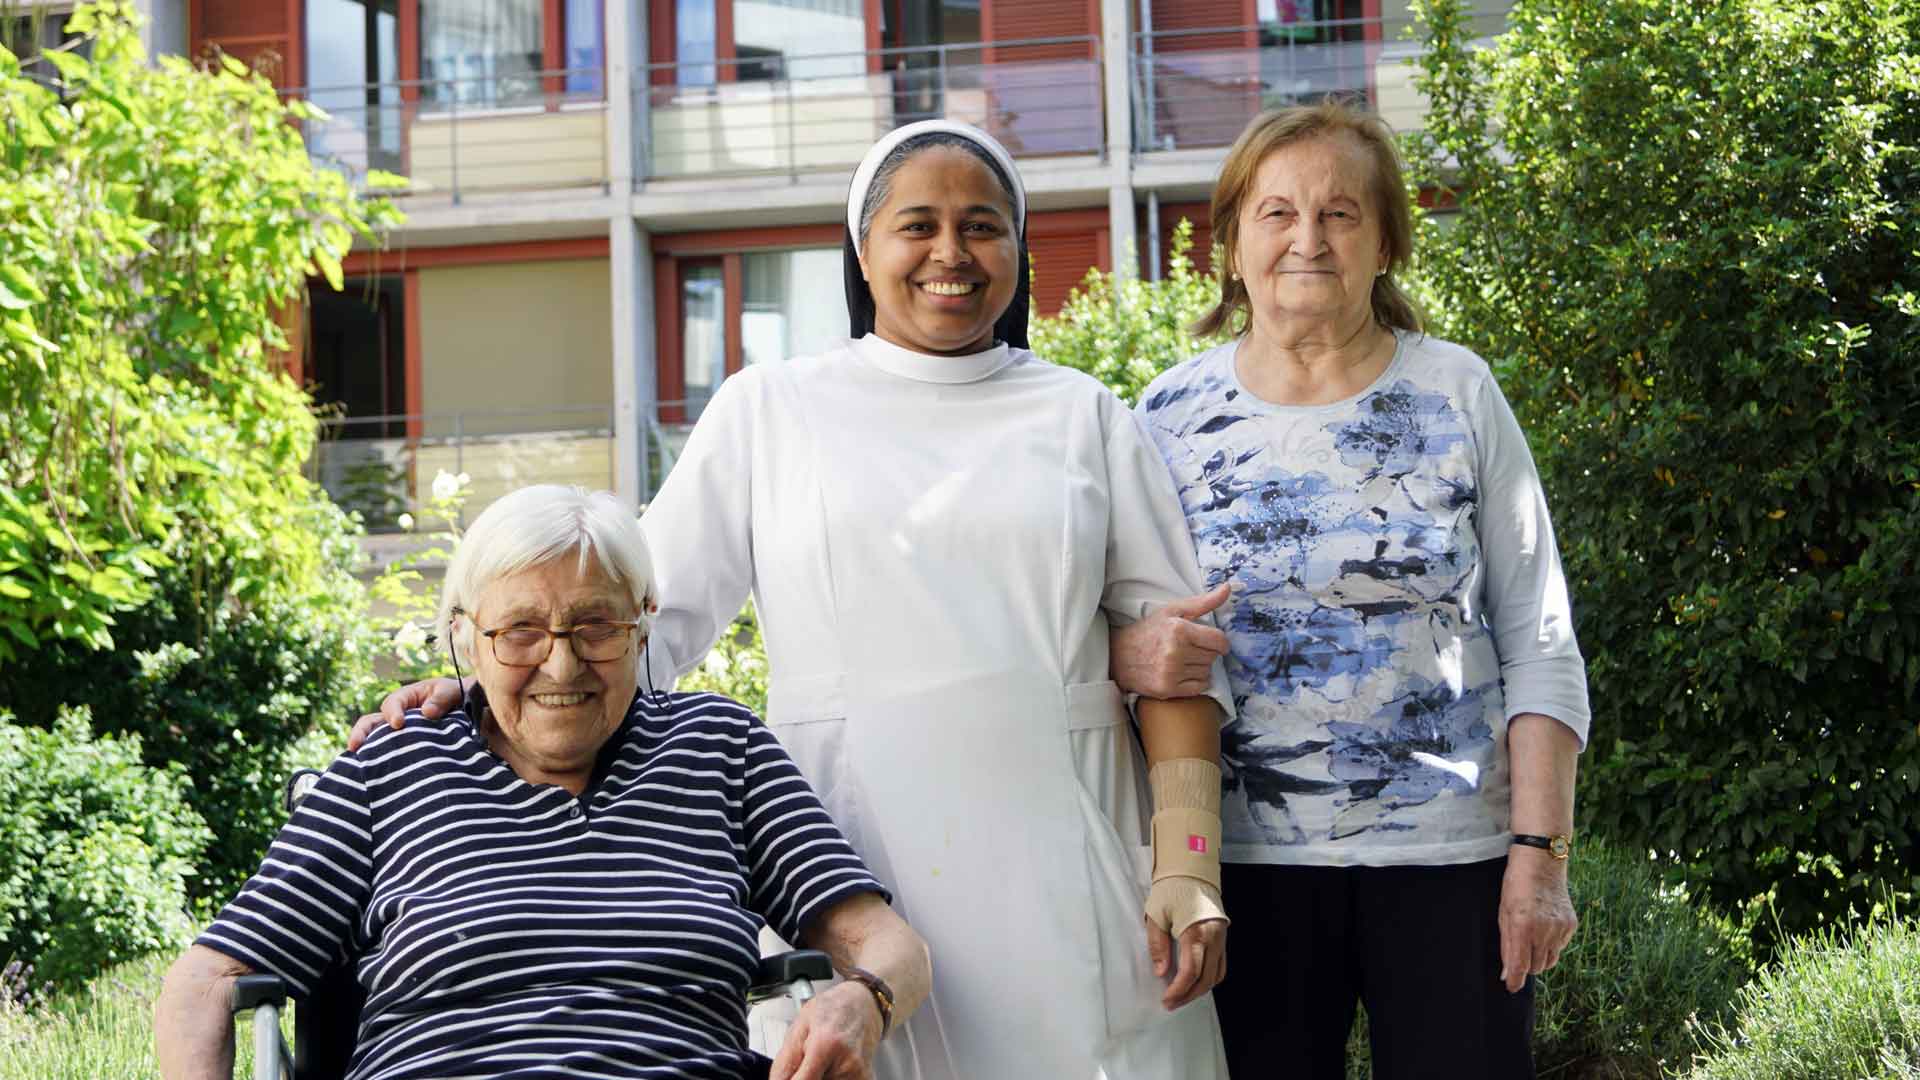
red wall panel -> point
(1014, 20)
(1062, 246)
(1201, 15)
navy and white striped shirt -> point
(503, 928)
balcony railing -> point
(457, 137)
(1040, 96)
(384, 466)
(1198, 88)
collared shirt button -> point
(574, 810)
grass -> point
(1837, 1005)
(104, 1032)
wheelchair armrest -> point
(253, 991)
(775, 972)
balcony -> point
(1040, 96)
(384, 466)
(455, 138)
(1198, 88)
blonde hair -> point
(1279, 128)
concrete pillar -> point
(626, 31)
(165, 31)
(629, 256)
(1116, 49)
(635, 394)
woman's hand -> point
(1167, 654)
(1536, 915)
(1536, 912)
(833, 1038)
(433, 697)
(1201, 960)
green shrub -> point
(1126, 332)
(1645, 971)
(1644, 968)
(736, 666)
(163, 559)
(98, 849)
(1839, 1005)
(1687, 240)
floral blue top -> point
(1398, 597)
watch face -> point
(1560, 846)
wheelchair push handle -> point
(298, 785)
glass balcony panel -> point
(827, 121)
(541, 130)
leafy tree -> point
(1126, 332)
(1687, 241)
(162, 557)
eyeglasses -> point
(593, 642)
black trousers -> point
(1419, 945)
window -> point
(353, 68)
(755, 307)
(1288, 20)
(481, 52)
(696, 36)
(586, 34)
(490, 53)
(703, 335)
(357, 354)
(795, 303)
(770, 39)
(799, 39)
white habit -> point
(935, 546)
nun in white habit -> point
(938, 530)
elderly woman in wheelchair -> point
(568, 876)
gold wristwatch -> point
(1559, 846)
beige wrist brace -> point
(1186, 844)
(1186, 819)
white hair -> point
(534, 526)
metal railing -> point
(1199, 87)
(1039, 96)
(455, 137)
(384, 466)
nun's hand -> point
(1167, 654)
(433, 697)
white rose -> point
(406, 522)
(409, 637)
(715, 664)
(446, 485)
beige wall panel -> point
(508, 150)
(517, 336)
(523, 353)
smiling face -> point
(550, 721)
(1310, 240)
(941, 256)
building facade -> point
(614, 204)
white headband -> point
(869, 165)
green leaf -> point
(72, 68)
(329, 268)
(17, 288)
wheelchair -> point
(326, 1022)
